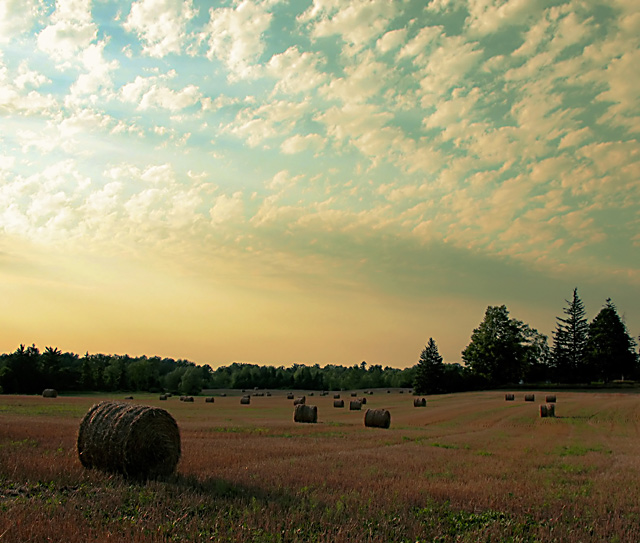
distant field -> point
(467, 467)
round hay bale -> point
(529, 397)
(547, 410)
(163, 396)
(182, 398)
(336, 396)
(210, 399)
(363, 401)
(245, 400)
(129, 398)
(550, 399)
(223, 395)
(290, 396)
(188, 399)
(305, 413)
(355, 405)
(134, 440)
(377, 418)
(419, 402)
(338, 403)
(353, 394)
(509, 397)
(268, 394)
(49, 393)
(300, 401)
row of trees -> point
(504, 350)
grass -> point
(466, 468)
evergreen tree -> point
(610, 350)
(570, 343)
(429, 371)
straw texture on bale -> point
(134, 440)
(550, 399)
(300, 401)
(49, 393)
(355, 405)
(529, 397)
(509, 397)
(419, 402)
(338, 403)
(548, 410)
(245, 400)
(377, 418)
(305, 413)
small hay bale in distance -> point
(338, 403)
(163, 397)
(305, 413)
(377, 418)
(336, 396)
(509, 397)
(188, 399)
(49, 393)
(419, 402)
(134, 440)
(550, 398)
(209, 399)
(129, 398)
(547, 410)
(290, 396)
(300, 401)
(245, 400)
(355, 405)
(363, 401)
(353, 394)
(529, 397)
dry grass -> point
(467, 467)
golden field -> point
(467, 467)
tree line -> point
(502, 351)
(505, 351)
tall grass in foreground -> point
(468, 468)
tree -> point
(570, 342)
(610, 351)
(429, 371)
(498, 352)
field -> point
(467, 467)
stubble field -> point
(467, 467)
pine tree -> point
(429, 371)
(610, 350)
(570, 343)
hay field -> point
(466, 468)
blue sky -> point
(317, 182)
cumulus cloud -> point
(17, 17)
(227, 208)
(72, 30)
(160, 25)
(296, 72)
(298, 143)
(153, 92)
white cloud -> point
(235, 34)
(298, 143)
(487, 16)
(296, 72)
(72, 30)
(160, 25)
(227, 208)
(16, 17)
(392, 40)
(152, 92)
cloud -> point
(152, 92)
(160, 25)
(17, 17)
(296, 72)
(72, 30)
(298, 143)
(392, 40)
(235, 35)
(227, 208)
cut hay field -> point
(466, 468)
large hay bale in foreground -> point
(134, 440)
(338, 403)
(420, 402)
(377, 418)
(509, 397)
(529, 397)
(550, 399)
(300, 401)
(49, 393)
(355, 405)
(548, 410)
(305, 413)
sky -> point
(316, 182)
